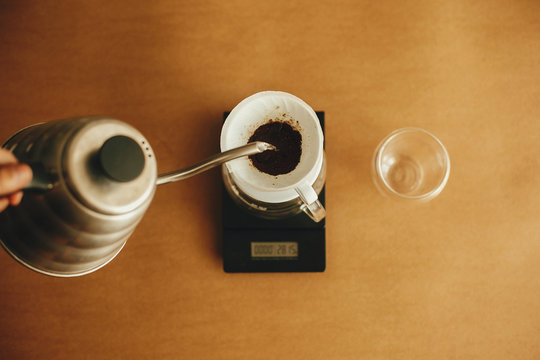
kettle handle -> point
(41, 179)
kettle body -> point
(98, 177)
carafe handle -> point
(312, 206)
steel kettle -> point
(94, 178)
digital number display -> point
(274, 250)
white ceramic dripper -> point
(242, 122)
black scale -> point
(253, 244)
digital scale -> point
(253, 244)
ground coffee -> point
(288, 142)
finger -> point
(7, 157)
(13, 177)
(4, 202)
(15, 199)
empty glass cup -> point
(411, 163)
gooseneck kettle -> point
(94, 178)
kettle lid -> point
(121, 158)
(110, 167)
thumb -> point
(14, 177)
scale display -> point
(274, 250)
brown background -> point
(457, 278)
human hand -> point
(13, 177)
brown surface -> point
(457, 278)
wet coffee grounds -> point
(288, 142)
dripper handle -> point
(312, 205)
